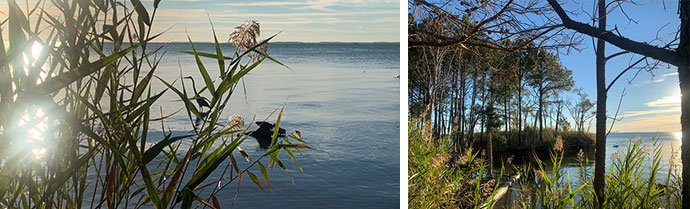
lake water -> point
(669, 141)
(343, 97)
(617, 143)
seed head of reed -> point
(235, 120)
(245, 37)
(537, 174)
(558, 145)
(581, 155)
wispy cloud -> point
(323, 5)
(661, 78)
(269, 3)
(651, 112)
(668, 101)
(307, 14)
(192, 16)
(331, 21)
(662, 123)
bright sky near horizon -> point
(304, 21)
(299, 20)
(652, 100)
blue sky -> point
(305, 21)
(652, 100)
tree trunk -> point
(600, 155)
(541, 112)
(684, 79)
(581, 126)
(491, 156)
(534, 128)
(462, 109)
(453, 112)
(559, 107)
(473, 116)
(519, 99)
(506, 115)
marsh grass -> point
(75, 114)
(438, 178)
(634, 180)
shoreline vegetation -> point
(75, 115)
(441, 178)
(486, 83)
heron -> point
(201, 101)
(264, 133)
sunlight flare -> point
(38, 121)
(678, 135)
(30, 61)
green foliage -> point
(571, 139)
(438, 179)
(75, 111)
(634, 180)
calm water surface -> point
(343, 97)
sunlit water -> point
(343, 97)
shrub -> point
(439, 179)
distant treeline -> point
(468, 93)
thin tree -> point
(600, 146)
(679, 57)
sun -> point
(678, 135)
(38, 122)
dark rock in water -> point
(615, 145)
(264, 134)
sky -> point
(301, 21)
(651, 102)
(652, 99)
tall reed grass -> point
(75, 113)
(438, 178)
(634, 180)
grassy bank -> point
(636, 178)
(438, 178)
(513, 141)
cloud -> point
(322, 5)
(269, 3)
(650, 112)
(192, 16)
(663, 123)
(308, 14)
(663, 77)
(330, 21)
(668, 101)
